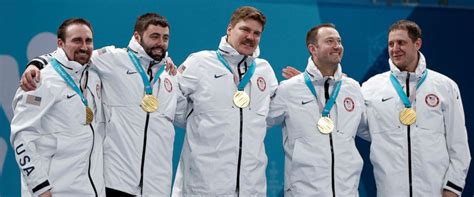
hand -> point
(290, 72)
(170, 67)
(30, 77)
(46, 194)
(447, 193)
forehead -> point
(398, 34)
(151, 29)
(250, 23)
(78, 30)
(328, 32)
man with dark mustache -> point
(57, 130)
(140, 102)
(229, 91)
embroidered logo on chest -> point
(168, 85)
(261, 84)
(432, 100)
(349, 104)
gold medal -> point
(407, 116)
(89, 115)
(325, 125)
(241, 99)
(149, 103)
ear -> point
(312, 48)
(137, 37)
(418, 43)
(229, 28)
(60, 43)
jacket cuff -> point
(453, 187)
(41, 188)
(39, 62)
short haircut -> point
(62, 28)
(312, 35)
(413, 30)
(247, 12)
(148, 19)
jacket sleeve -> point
(181, 110)
(32, 145)
(41, 60)
(190, 75)
(457, 143)
(278, 107)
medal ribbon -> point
(139, 68)
(68, 79)
(332, 98)
(245, 80)
(399, 89)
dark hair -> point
(312, 35)
(247, 12)
(413, 30)
(148, 19)
(62, 28)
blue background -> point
(448, 40)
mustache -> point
(248, 41)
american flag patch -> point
(102, 51)
(181, 69)
(33, 100)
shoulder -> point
(440, 80)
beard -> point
(82, 56)
(157, 53)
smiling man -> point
(229, 91)
(58, 129)
(416, 121)
(320, 111)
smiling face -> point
(77, 43)
(403, 51)
(244, 36)
(328, 49)
(154, 41)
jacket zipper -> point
(142, 167)
(90, 158)
(93, 135)
(239, 161)
(410, 178)
(333, 186)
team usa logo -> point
(168, 85)
(432, 100)
(349, 104)
(261, 84)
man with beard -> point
(58, 129)
(140, 101)
(320, 111)
(229, 92)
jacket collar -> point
(315, 73)
(73, 68)
(144, 58)
(420, 68)
(232, 55)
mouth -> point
(157, 50)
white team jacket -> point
(138, 146)
(431, 154)
(319, 164)
(53, 147)
(223, 147)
